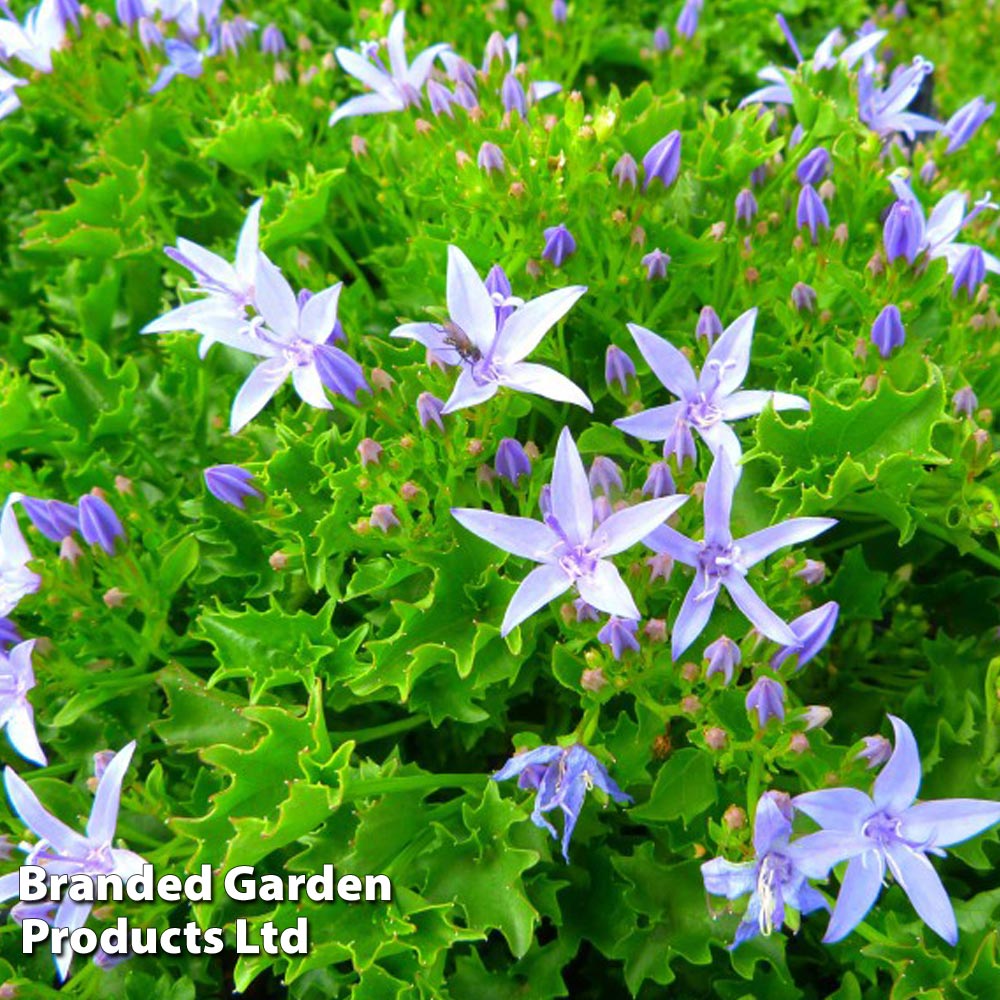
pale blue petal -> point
(517, 763)
(948, 821)
(366, 104)
(605, 590)
(274, 299)
(858, 892)
(725, 878)
(518, 535)
(34, 815)
(572, 503)
(524, 329)
(729, 359)
(543, 381)
(899, 781)
(668, 364)
(771, 827)
(718, 502)
(655, 424)
(255, 393)
(680, 547)
(693, 616)
(469, 392)
(104, 812)
(760, 544)
(842, 809)
(541, 585)
(753, 606)
(469, 303)
(749, 402)
(917, 878)
(625, 527)
(816, 853)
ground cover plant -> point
(541, 452)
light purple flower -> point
(889, 830)
(231, 484)
(659, 482)
(35, 39)
(969, 272)
(811, 212)
(183, 59)
(561, 777)
(16, 714)
(570, 549)
(64, 851)
(803, 297)
(812, 631)
(584, 611)
(16, 580)
(491, 356)
(723, 657)
(99, 524)
(605, 476)
(130, 11)
(490, 158)
(559, 11)
(966, 122)
(708, 401)
(619, 634)
(393, 89)
(813, 572)
(626, 171)
(687, 20)
(709, 325)
(512, 461)
(884, 111)
(384, 517)
(964, 402)
(272, 41)
(746, 206)
(559, 244)
(767, 699)
(441, 99)
(9, 635)
(888, 332)
(55, 519)
(618, 367)
(661, 39)
(903, 231)
(663, 161)
(773, 879)
(429, 410)
(512, 95)
(813, 167)
(876, 751)
(720, 561)
(656, 262)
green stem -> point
(379, 732)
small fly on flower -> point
(457, 338)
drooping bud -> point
(619, 634)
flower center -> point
(484, 371)
(702, 412)
(299, 351)
(882, 828)
(716, 562)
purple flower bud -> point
(440, 98)
(877, 751)
(813, 630)
(746, 206)
(461, 71)
(965, 122)
(230, 484)
(813, 167)
(370, 451)
(53, 518)
(796, 136)
(928, 173)
(585, 612)
(767, 699)
(811, 211)
(816, 716)
(242, 29)
(626, 171)
(661, 39)
(511, 461)
(803, 297)
(99, 524)
(659, 482)
(687, 22)
(663, 161)
(902, 233)
(545, 500)
(429, 410)
(655, 263)
(605, 476)
(68, 12)
(9, 635)
(101, 761)
(758, 175)
(970, 271)
(512, 95)
(383, 517)
(899, 11)
(559, 244)
(129, 11)
(339, 372)
(559, 11)
(490, 158)
(888, 332)
(618, 367)
(465, 96)
(660, 566)
(679, 442)
(813, 572)
(619, 634)
(149, 34)
(272, 41)
(229, 42)
(964, 402)
(723, 657)
(496, 51)
(709, 325)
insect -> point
(460, 340)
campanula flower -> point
(811, 212)
(618, 367)
(903, 231)
(55, 519)
(570, 549)
(512, 95)
(803, 297)
(773, 879)
(9, 101)
(183, 59)
(619, 634)
(876, 751)
(504, 300)
(16, 580)
(393, 89)
(663, 161)
(559, 244)
(272, 41)
(813, 572)
(661, 39)
(538, 90)
(429, 410)
(687, 20)
(659, 482)
(605, 476)
(65, 851)
(585, 612)
(813, 167)
(767, 699)
(35, 39)
(561, 777)
(9, 634)
(490, 158)
(384, 518)
(130, 11)
(16, 714)
(706, 401)
(559, 11)
(812, 631)
(964, 402)
(709, 325)
(491, 356)
(99, 524)
(512, 461)
(888, 332)
(723, 657)
(294, 339)
(626, 171)
(150, 36)
(884, 111)
(441, 99)
(231, 484)
(655, 263)
(720, 561)
(969, 272)
(746, 206)
(965, 122)
(889, 830)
